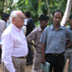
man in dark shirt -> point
(30, 26)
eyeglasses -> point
(22, 18)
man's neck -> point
(56, 26)
(41, 27)
(28, 18)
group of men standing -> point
(49, 43)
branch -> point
(67, 13)
(48, 10)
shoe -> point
(0, 62)
(28, 64)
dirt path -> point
(28, 68)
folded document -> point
(45, 68)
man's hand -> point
(43, 61)
(43, 54)
(69, 45)
(1, 46)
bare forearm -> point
(43, 50)
(1, 46)
(43, 54)
(70, 44)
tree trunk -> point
(48, 11)
(67, 13)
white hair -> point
(14, 14)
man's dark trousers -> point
(56, 62)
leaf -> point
(26, 2)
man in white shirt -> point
(14, 45)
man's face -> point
(70, 21)
(44, 23)
(19, 20)
(57, 18)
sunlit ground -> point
(28, 68)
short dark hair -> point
(28, 14)
(57, 11)
(70, 17)
(5, 16)
(43, 17)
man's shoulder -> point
(2, 22)
(30, 20)
(47, 28)
(35, 30)
(7, 31)
(65, 28)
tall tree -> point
(48, 10)
(67, 13)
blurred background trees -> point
(1, 6)
(37, 7)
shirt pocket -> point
(62, 40)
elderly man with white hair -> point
(14, 45)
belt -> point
(55, 55)
(70, 47)
(21, 57)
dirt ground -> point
(28, 68)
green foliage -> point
(57, 5)
(37, 7)
(1, 6)
(29, 5)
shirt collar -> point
(29, 19)
(14, 27)
(39, 28)
(60, 28)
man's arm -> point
(69, 45)
(43, 53)
(31, 37)
(7, 49)
(69, 35)
(1, 46)
(43, 40)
